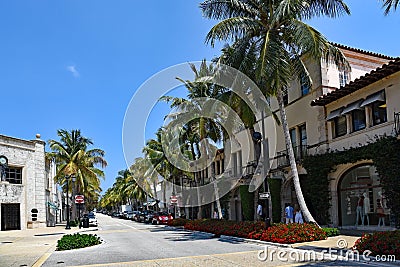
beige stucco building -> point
(340, 110)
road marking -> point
(130, 226)
(166, 259)
(41, 260)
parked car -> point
(161, 218)
(128, 215)
(136, 216)
(92, 219)
(146, 216)
(134, 213)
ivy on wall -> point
(385, 154)
(247, 199)
(275, 190)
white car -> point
(92, 219)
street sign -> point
(264, 195)
(79, 199)
(173, 199)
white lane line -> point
(130, 226)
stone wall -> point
(30, 156)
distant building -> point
(27, 190)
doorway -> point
(10, 217)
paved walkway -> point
(33, 246)
(27, 247)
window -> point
(340, 126)
(358, 119)
(303, 140)
(292, 133)
(14, 175)
(378, 113)
(344, 77)
(304, 85)
(377, 103)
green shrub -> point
(380, 243)
(74, 223)
(331, 231)
(77, 240)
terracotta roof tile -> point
(365, 80)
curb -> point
(234, 238)
(248, 240)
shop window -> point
(340, 126)
(358, 119)
(360, 195)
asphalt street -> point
(128, 243)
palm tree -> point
(276, 34)
(390, 5)
(199, 91)
(73, 157)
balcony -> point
(249, 169)
(282, 157)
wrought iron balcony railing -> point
(282, 157)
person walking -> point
(289, 214)
(259, 211)
(298, 217)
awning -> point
(335, 113)
(52, 205)
(352, 106)
(380, 96)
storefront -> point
(360, 196)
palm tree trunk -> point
(296, 180)
(216, 192)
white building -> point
(26, 187)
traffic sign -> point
(79, 199)
(173, 199)
(264, 195)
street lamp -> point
(67, 227)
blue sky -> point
(76, 64)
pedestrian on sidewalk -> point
(298, 218)
(289, 214)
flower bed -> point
(279, 233)
(222, 227)
(290, 233)
(380, 243)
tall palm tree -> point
(390, 5)
(274, 30)
(199, 91)
(73, 157)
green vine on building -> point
(385, 155)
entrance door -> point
(10, 217)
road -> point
(128, 243)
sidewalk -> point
(26, 247)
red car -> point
(161, 218)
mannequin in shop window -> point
(366, 207)
(381, 213)
(360, 210)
